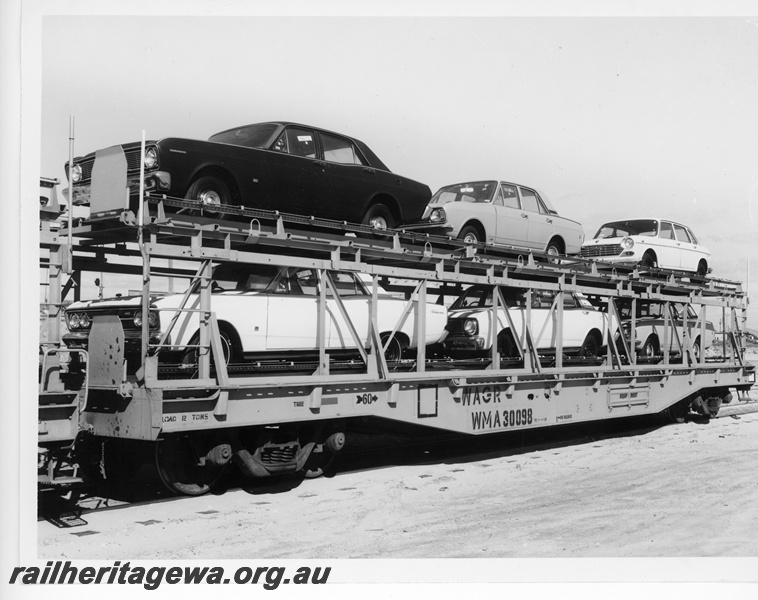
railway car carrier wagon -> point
(197, 409)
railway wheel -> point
(184, 469)
(212, 192)
(677, 413)
(320, 462)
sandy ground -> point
(688, 489)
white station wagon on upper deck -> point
(650, 243)
(507, 214)
(268, 312)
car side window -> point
(681, 234)
(307, 282)
(510, 196)
(294, 140)
(347, 284)
(339, 150)
(692, 236)
(667, 232)
(531, 201)
(569, 301)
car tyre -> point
(394, 351)
(553, 252)
(230, 349)
(650, 347)
(648, 261)
(590, 347)
(379, 217)
(470, 235)
(702, 269)
(212, 192)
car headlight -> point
(151, 158)
(78, 321)
(628, 243)
(152, 318)
(76, 174)
(471, 326)
(438, 215)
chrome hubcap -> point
(210, 198)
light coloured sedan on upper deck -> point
(649, 243)
(508, 214)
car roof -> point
(646, 219)
(548, 204)
(367, 152)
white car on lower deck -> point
(265, 311)
(585, 329)
(649, 243)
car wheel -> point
(649, 348)
(648, 261)
(191, 355)
(470, 235)
(379, 217)
(394, 351)
(212, 192)
(553, 252)
(696, 351)
(702, 268)
(506, 345)
(589, 347)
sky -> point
(609, 117)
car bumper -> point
(158, 181)
(464, 344)
(132, 340)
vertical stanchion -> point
(145, 259)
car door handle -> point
(319, 163)
(549, 221)
(523, 216)
(369, 170)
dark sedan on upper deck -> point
(280, 166)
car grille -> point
(601, 250)
(455, 326)
(132, 164)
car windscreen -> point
(481, 297)
(616, 229)
(243, 278)
(251, 136)
(477, 191)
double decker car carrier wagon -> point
(124, 386)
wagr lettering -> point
(484, 395)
